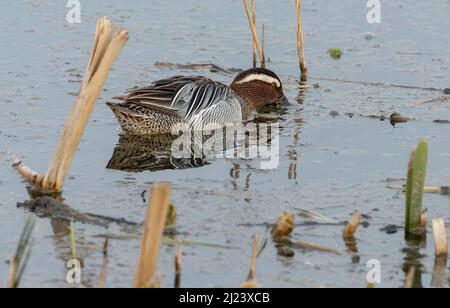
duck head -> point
(259, 87)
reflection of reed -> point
(413, 266)
(149, 153)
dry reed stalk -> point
(106, 47)
(153, 234)
(255, 60)
(103, 271)
(284, 226)
(440, 238)
(300, 43)
(251, 273)
(178, 262)
(263, 43)
(254, 33)
(352, 225)
(251, 282)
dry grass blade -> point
(251, 282)
(251, 274)
(255, 60)
(153, 235)
(19, 260)
(254, 33)
(352, 225)
(440, 238)
(103, 271)
(300, 43)
(178, 262)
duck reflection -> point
(136, 153)
(149, 153)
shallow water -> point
(341, 164)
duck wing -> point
(187, 97)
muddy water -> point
(330, 165)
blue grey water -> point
(341, 163)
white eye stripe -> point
(260, 77)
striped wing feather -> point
(179, 95)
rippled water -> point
(330, 165)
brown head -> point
(259, 87)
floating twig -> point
(195, 66)
(376, 84)
(300, 43)
(432, 100)
(311, 246)
(153, 235)
(444, 190)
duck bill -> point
(284, 101)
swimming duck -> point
(196, 102)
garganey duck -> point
(196, 102)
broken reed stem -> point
(153, 234)
(255, 60)
(27, 173)
(251, 273)
(107, 46)
(178, 262)
(284, 226)
(254, 33)
(352, 225)
(300, 43)
(440, 238)
(263, 39)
